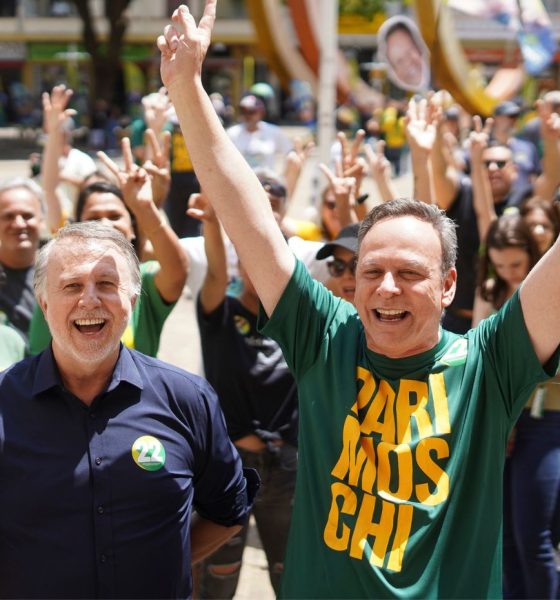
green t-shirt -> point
(399, 486)
(146, 323)
(12, 347)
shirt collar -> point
(48, 376)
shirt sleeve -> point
(223, 491)
(306, 314)
(509, 356)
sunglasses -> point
(337, 266)
(500, 164)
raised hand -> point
(55, 108)
(421, 124)
(133, 180)
(297, 157)
(183, 45)
(478, 138)
(350, 151)
(380, 167)
(201, 209)
(159, 165)
(156, 107)
(550, 120)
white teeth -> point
(389, 313)
(84, 322)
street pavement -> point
(180, 342)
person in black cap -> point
(341, 255)
(524, 154)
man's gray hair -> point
(405, 207)
(14, 183)
(87, 232)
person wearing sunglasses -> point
(457, 194)
(341, 262)
(524, 154)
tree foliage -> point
(105, 54)
(363, 8)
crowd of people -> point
(380, 387)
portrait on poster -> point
(402, 49)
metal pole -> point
(328, 18)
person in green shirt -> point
(403, 425)
(12, 347)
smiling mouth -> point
(390, 316)
(89, 325)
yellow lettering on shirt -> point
(432, 470)
(391, 461)
(382, 404)
(439, 396)
(331, 535)
(366, 526)
(411, 402)
(403, 471)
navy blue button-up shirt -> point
(96, 501)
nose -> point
(388, 286)
(19, 221)
(89, 297)
(106, 221)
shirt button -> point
(98, 461)
(100, 509)
(92, 415)
(103, 558)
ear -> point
(42, 305)
(449, 287)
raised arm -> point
(295, 161)
(483, 202)
(137, 191)
(446, 176)
(539, 299)
(344, 194)
(421, 134)
(214, 288)
(237, 195)
(55, 112)
(380, 169)
(548, 181)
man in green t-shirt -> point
(403, 425)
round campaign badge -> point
(242, 325)
(148, 453)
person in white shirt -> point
(261, 143)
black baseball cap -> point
(346, 238)
(507, 109)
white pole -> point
(328, 18)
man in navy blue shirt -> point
(104, 452)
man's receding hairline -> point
(394, 218)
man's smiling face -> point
(400, 289)
(88, 300)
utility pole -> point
(328, 27)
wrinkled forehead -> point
(82, 255)
(19, 198)
(403, 235)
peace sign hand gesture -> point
(182, 54)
